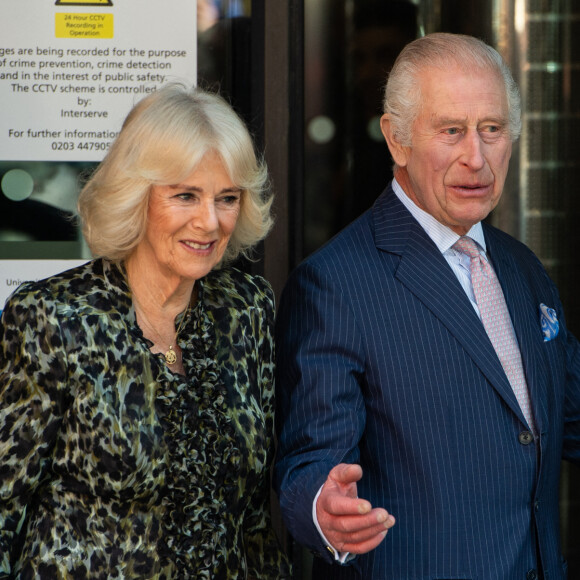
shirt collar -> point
(442, 236)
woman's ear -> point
(399, 153)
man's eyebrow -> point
(439, 121)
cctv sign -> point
(70, 71)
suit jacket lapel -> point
(426, 273)
(524, 312)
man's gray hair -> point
(403, 91)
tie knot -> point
(467, 246)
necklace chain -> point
(170, 355)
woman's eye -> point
(186, 196)
(230, 199)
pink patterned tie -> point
(496, 321)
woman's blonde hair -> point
(163, 139)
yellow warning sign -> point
(84, 2)
(81, 25)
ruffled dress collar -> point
(200, 439)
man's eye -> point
(452, 131)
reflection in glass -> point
(350, 47)
(42, 205)
(17, 184)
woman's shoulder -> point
(73, 287)
(230, 287)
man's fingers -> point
(346, 535)
(362, 527)
(346, 473)
(363, 547)
(342, 481)
(349, 523)
(339, 505)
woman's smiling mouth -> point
(198, 246)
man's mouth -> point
(471, 187)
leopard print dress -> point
(112, 466)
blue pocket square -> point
(549, 322)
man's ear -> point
(399, 153)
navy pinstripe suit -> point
(382, 361)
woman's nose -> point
(206, 216)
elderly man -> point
(426, 372)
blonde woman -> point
(136, 391)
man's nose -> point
(473, 150)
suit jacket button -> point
(525, 437)
(532, 575)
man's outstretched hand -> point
(349, 523)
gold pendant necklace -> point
(170, 355)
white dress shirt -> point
(444, 238)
